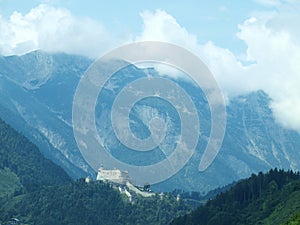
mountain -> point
(36, 96)
(36, 99)
(272, 198)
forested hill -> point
(94, 203)
(22, 158)
(272, 198)
(37, 191)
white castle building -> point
(122, 178)
(115, 175)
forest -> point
(25, 160)
(270, 198)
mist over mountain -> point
(36, 96)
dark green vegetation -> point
(272, 198)
(9, 182)
(295, 220)
(196, 198)
(36, 191)
(92, 203)
(24, 159)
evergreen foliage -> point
(270, 198)
(88, 204)
(25, 160)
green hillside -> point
(25, 160)
(9, 183)
(295, 220)
(88, 204)
(37, 191)
(91, 203)
(272, 198)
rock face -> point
(36, 95)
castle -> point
(115, 175)
(122, 181)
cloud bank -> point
(54, 30)
(272, 56)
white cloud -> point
(273, 47)
(272, 39)
(53, 29)
(277, 70)
(163, 27)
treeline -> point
(200, 197)
(91, 203)
(24, 159)
(270, 198)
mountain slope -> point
(36, 96)
(9, 183)
(270, 198)
(19, 157)
(36, 99)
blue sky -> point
(248, 45)
(215, 20)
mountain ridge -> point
(253, 141)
